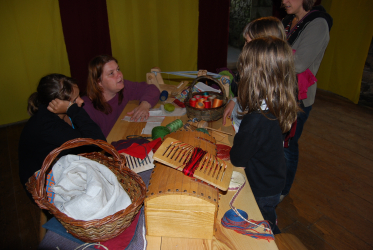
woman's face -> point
(112, 78)
(75, 97)
(293, 6)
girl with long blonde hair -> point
(261, 27)
(267, 100)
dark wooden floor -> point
(329, 207)
(331, 203)
(19, 217)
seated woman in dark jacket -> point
(56, 117)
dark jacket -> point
(45, 131)
(258, 146)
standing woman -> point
(307, 32)
(108, 93)
(56, 117)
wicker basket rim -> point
(196, 80)
(36, 187)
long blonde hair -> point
(266, 67)
(263, 27)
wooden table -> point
(224, 238)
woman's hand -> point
(228, 111)
(58, 106)
(140, 112)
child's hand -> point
(58, 106)
(228, 111)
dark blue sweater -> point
(258, 146)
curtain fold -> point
(86, 32)
(31, 46)
(213, 31)
(342, 67)
(145, 34)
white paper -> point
(176, 112)
(203, 87)
(162, 112)
(156, 112)
(150, 119)
(149, 127)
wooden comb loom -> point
(210, 169)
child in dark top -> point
(56, 117)
(261, 27)
(267, 98)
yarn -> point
(223, 152)
(169, 107)
(160, 131)
(232, 216)
(246, 227)
(193, 162)
(207, 104)
(227, 73)
(163, 96)
(238, 221)
(203, 130)
(175, 125)
(217, 103)
(200, 105)
(193, 102)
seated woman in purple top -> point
(108, 93)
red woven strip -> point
(194, 161)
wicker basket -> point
(100, 229)
(211, 114)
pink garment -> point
(305, 80)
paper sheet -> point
(149, 127)
(203, 87)
(150, 119)
(162, 112)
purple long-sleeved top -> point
(132, 91)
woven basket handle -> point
(73, 144)
(190, 94)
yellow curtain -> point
(145, 34)
(31, 46)
(342, 67)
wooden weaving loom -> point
(155, 77)
(177, 205)
(211, 169)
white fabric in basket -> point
(87, 190)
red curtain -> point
(86, 30)
(213, 34)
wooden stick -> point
(219, 131)
(203, 124)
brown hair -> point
(51, 87)
(263, 27)
(266, 67)
(94, 90)
(308, 4)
